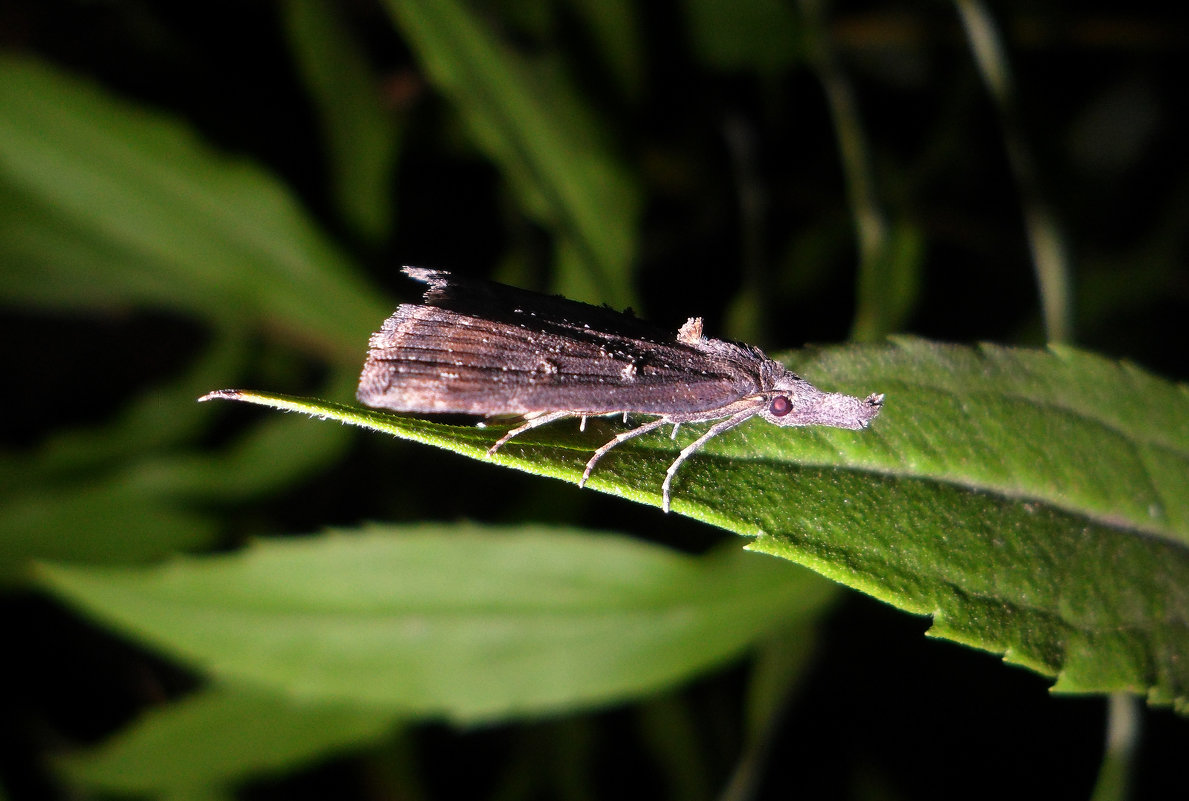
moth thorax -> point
(771, 372)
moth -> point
(481, 348)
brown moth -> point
(476, 347)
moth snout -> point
(872, 403)
(832, 409)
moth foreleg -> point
(689, 450)
(625, 436)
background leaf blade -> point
(459, 622)
(219, 735)
(543, 138)
(150, 215)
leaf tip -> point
(230, 394)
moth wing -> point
(488, 300)
(433, 359)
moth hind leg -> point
(528, 425)
(619, 438)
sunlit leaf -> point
(1036, 503)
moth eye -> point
(780, 406)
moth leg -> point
(689, 450)
(528, 426)
(626, 435)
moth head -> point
(795, 402)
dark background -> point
(887, 713)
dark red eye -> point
(780, 406)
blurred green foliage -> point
(197, 196)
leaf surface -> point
(219, 735)
(459, 622)
(110, 206)
(361, 135)
(1036, 503)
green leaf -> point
(779, 667)
(101, 520)
(1036, 503)
(614, 27)
(106, 205)
(543, 138)
(159, 504)
(889, 283)
(362, 136)
(91, 498)
(466, 623)
(220, 735)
